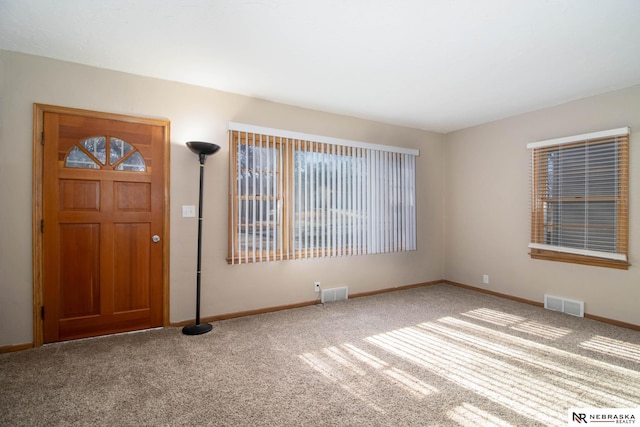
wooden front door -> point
(102, 225)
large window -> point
(579, 207)
(302, 196)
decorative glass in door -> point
(91, 153)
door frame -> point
(37, 207)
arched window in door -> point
(91, 153)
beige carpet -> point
(438, 355)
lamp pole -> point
(202, 149)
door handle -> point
(155, 238)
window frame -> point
(539, 248)
(288, 144)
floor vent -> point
(334, 294)
(574, 308)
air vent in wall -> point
(334, 294)
(574, 308)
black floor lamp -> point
(202, 149)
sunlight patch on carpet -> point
(529, 378)
(541, 330)
(493, 316)
(359, 372)
(365, 357)
(333, 370)
(412, 384)
(468, 415)
(617, 348)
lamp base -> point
(201, 328)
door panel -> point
(78, 195)
(132, 196)
(80, 245)
(103, 200)
(131, 256)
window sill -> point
(578, 259)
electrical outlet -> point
(316, 286)
(485, 279)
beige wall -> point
(487, 207)
(472, 195)
(196, 114)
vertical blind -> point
(579, 194)
(297, 196)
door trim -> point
(37, 206)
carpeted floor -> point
(438, 355)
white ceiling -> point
(440, 65)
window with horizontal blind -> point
(296, 195)
(579, 198)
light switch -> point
(188, 211)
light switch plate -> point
(188, 211)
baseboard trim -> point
(497, 294)
(246, 313)
(613, 322)
(16, 347)
(298, 305)
(540, 304)
(20, 347)
(397, 288)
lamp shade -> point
(205, 148)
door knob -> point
(155, 238)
